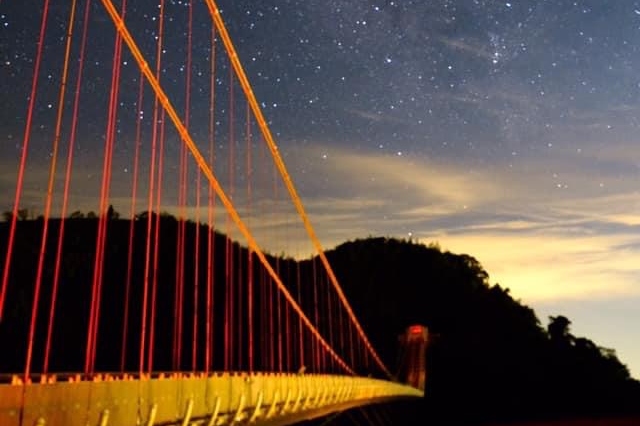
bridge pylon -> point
(413, 346)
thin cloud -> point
(552, 267)
(542, 242)
(473, 48)
(377, 117)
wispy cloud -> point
(544, 242)
(472, 47)
(376, 116)
(546, 230)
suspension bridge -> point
(139, 284)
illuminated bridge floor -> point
(178, 399)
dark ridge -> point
(489, 358)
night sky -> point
(504, 130)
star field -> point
(506, 130)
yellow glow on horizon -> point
(542, 243)
(541, 268)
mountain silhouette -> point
(489, 356)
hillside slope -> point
(490, 356)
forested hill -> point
(490, 356)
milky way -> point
(506, 130)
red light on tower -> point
(413, 345)
(416, 329)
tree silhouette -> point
(491, 355)
(23, 214)
(111, 213)
(558, 329)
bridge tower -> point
(413, 345)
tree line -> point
(490, 358)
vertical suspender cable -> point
(207, 171)
(49, 196)
(67, 183)
(180, 247)
(351, 344)
(249, 252)
(317, 354)
(330, 320)
(196, 250)
(211, 207)
(279, 310)
(321, 305)
(158, 201)
(300, 331)
(341, 330)
(279, 326)
(156, 242)
(231, 246)
(228, 326)
(94, 315)
(263, 330)
(287, 326)
(150, 198)
(132, 222)
(262, 123)
(237, 329)
(23, 157)
(272, 337)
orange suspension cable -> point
(351, 345)
(231, 246)
(159, 181)
(211, 211)
(180, 250)
(300, 333)
(244, 82)
(179, 279)
(67, 183)
(317, 362)
(331, 318)
(250, 308)
(279, 311)
(263, 331)
(239, 346)
(227, 303)
(287, 333)
(207, 171)
(271, 340)
(340, 329)
(249, 253)
(94, 313)
(196, 251)
(23, 158)
(49, 196)
(156, 246)
(147, 261)
(278, 341)
(132, 221)
(321, 305)
(152, 172)
(196, 275)
(228, 326)
(180, 247)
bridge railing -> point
(216, 399)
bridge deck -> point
(218, 399)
